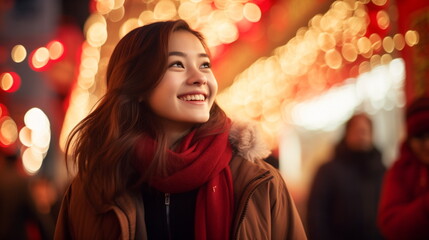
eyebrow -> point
(182, 54)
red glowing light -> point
(10, 81)
(3, 111)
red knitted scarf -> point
(202, 164)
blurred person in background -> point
(344, 196)
(19, 216)
(158, 159)
(404, 204)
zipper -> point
(167, 213)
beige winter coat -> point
(264, 207)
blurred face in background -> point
(420, 146)
(359, 134)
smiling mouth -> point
(193, 97)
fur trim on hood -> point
(247, 140)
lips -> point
(192, 97)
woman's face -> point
(187, 91)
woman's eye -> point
(206, 65)
(177, 64)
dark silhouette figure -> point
(345, 193)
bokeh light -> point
(252, 12)
(31, 160)
(227, 32)
(56, 50)
(333, 59)
(8, 131)
(374, 86)
(399, 41)
(412, 38)
(326, 41)
(25, 136)
(388, 44)
(35, 136)
(118, 4)
(10, 81)
(116, 15)
(383, 20)
(105, 6)
(18, 53)
(145, 17)
(375, 41)
(128, 26)
(379, 2)
(96, 30)
(364, 45)
(349, 52)
(164, 10)
(39, 58)
(35, 119)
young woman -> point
(158, 159)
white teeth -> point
(196, 97)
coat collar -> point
(246, 139)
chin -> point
(201, 120)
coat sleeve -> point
(400, 216)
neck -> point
(175, 131)
(173, 138)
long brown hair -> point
(102, 145)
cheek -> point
(158, 98)
(213, 87)
(166, 87)
(153, 102)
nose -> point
(197, 77)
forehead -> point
(185, 41)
